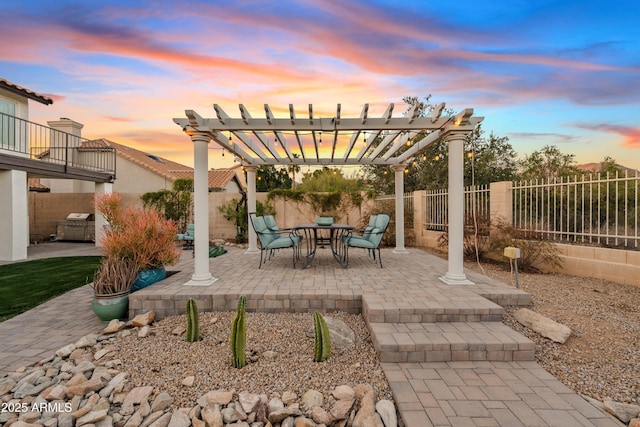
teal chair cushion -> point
(280, 242)
(270, 222)
(381, 225)
(359, 242)
(262, 231)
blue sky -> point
(540, 72)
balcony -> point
(42, 151)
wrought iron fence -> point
(36, 142)
(582, 209)
(407, 198)
(436, 215)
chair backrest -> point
(381, 224)
(260, 227)
(191, 230)
(270, 222)
(369, 228)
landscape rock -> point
(312, 398)
(161, 402)
(179, 419)
(387, 411)
(623, 411)
(144, 332)
(341, 409)
(249, 401)
(544, 326)
(114, 326)
(212, 416)
(189, 381)
(342, 336)
(65, 351)
(343, 392)
(143, 319)
(87, 341)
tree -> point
(548, 163)
(328, 180)
(174, 204)
(487, 160)
(269, 178)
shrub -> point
(114, 276)
(476, 242)
(140, 235)
(534, 250)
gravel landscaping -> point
(280, 358)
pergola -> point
(328, 141)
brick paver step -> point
(450, 341)
(424, 308)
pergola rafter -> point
(329, 141)
(322, 141)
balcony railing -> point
(26, 139)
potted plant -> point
(140, 235)
(111, 285)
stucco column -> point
(14, 211)
(100, 221)
(201, 275)
(251, 207)
(455, 275)
(399, 183)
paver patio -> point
(448, 358)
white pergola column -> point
(399, 183)
(14, 211)
(201, 275)
(455, 275)
(100, 221)
(251, 207)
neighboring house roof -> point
(27, 93)
(218, 179)
(36, 185)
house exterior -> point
(142, 172)
(14, 227)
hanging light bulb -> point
(320, 142)
(365, 137)
(436, 158)
(223, 152)
(406, 170)
(424, 158)
(230, 141)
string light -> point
(320, 142)
(230, 141)
(424, 158)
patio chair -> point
(273, 238)
(370, 239)
(188, 236)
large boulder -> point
(342, 336)
(543, 325)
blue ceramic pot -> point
(148, 277)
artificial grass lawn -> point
(25, 285)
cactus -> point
(239, 334)
(322, 349)
(193, 321)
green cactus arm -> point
(326, 339)
(193, 327)
(317, 350)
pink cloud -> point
(630, 135)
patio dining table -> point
(320, 235)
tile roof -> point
(36, 185)
(12, 87)
(166, 168)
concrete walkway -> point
(448, 358)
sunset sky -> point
(564, 73)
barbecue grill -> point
(77, 226)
